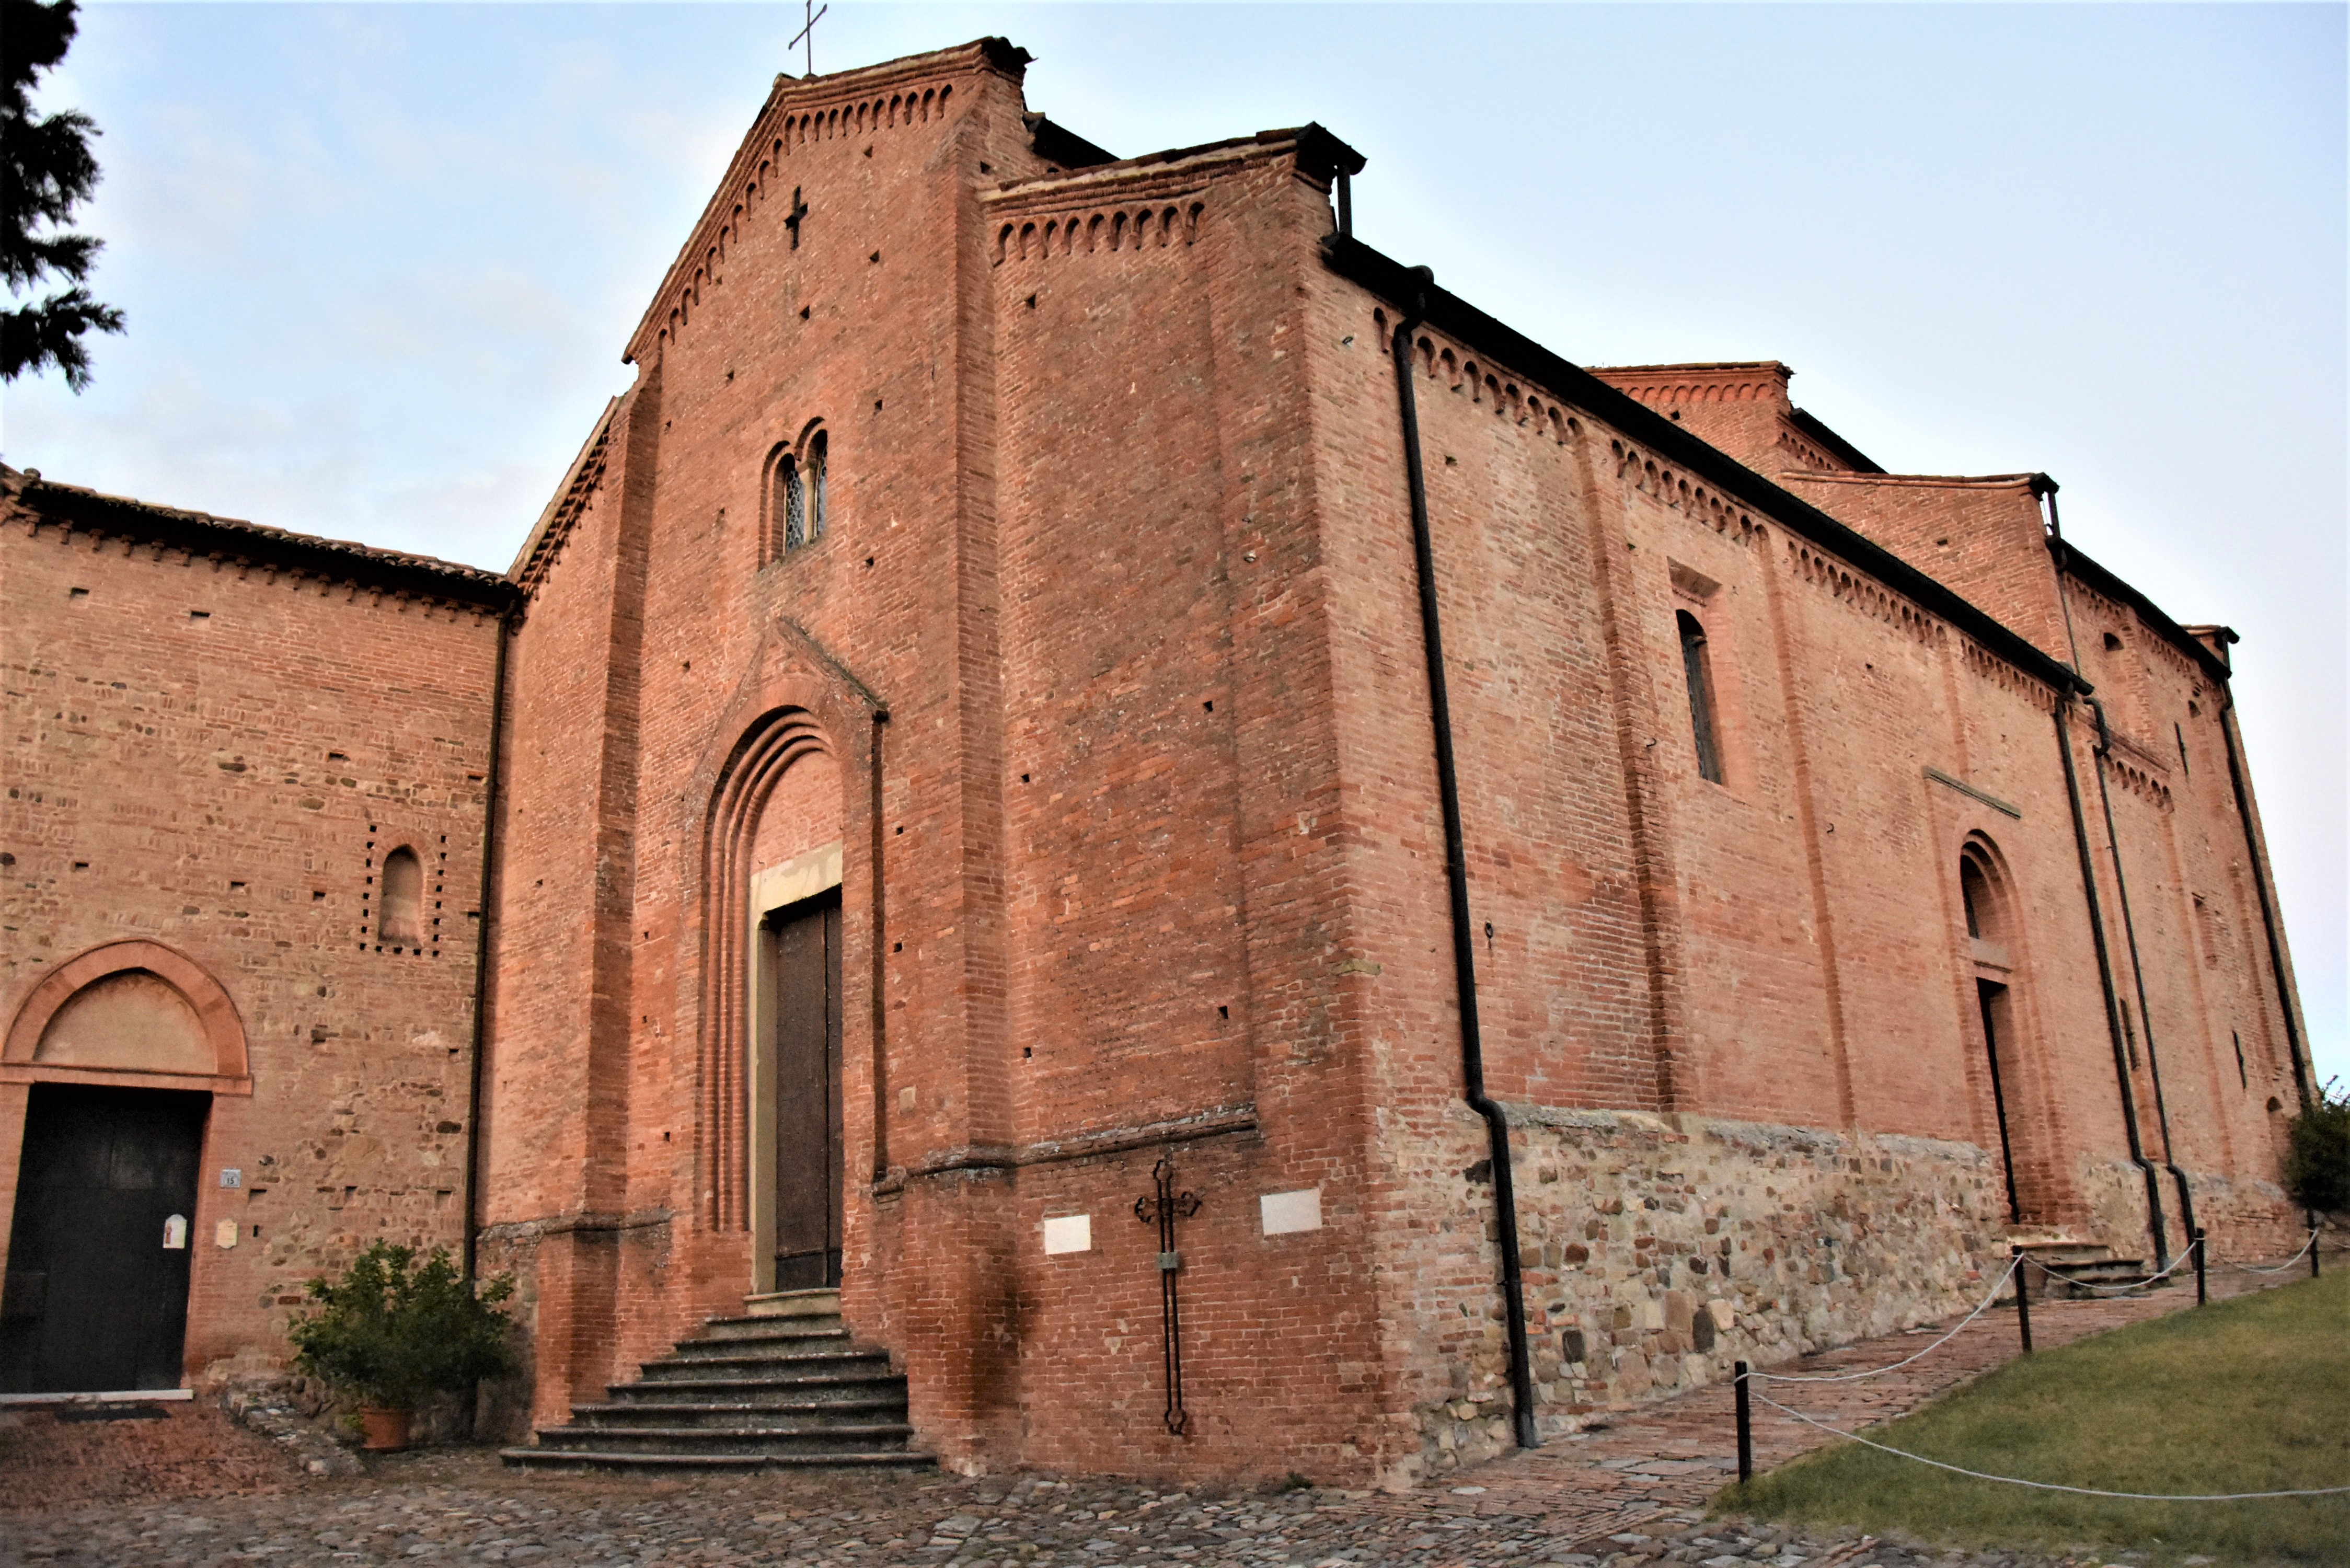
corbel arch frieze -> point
(220, 1030)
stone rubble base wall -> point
(1657, 1251)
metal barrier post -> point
(1745, 1427)
(2023, 1299)
(2203, 1289)
(2314, 1232)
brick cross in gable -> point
(792, 219)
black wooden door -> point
(808, 1161)
(96, 1298)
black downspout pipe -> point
(2260, 868)
(482, 944)
(2106, 982)
(2138, 971)
(2059, 556)
(1456, 871)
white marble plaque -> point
(1286, 1212)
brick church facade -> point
(963, 735)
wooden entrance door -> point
(808, 1160)
(97, 1293)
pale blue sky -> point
(379, 260)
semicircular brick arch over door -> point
(771, 1047)
(132, 1012)
(120, 1050)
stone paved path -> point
(1622, 1497)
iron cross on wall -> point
(1162, 1208)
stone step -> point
(771, 1341)
(2054, 1253)
(2070, 1281)
(758, 1390)
(760, 1327)
(780, 1387)
(781, 1413)
(2094, 1267)
(791, 1303)
(842, 1364)
(657, 1464)
(874, 1438)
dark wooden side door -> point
(808, 1160)
(95, 1300)
(1992, 998)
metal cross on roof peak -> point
(808, 35)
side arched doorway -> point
(117, 1055)
(2018, 1093)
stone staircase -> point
(780, 1388)
(2071, 1265)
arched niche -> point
(400, 917)
(135, 1013)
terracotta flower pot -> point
(383, 1431)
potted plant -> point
(394, 1330)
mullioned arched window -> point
(797, 501)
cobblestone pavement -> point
(1616, 1498)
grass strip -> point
(2247, 1394)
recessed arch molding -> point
(132, 1013)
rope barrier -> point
(2281, 1268)
(1997, 1285)
(2053, 1486)
(2197, 1253)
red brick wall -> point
(217, 755)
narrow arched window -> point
(1974, 892)
(1700, 670)
(817, 447)
(402, 924)
(789, 504)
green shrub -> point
(393, 1330)
(2317, 1164)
